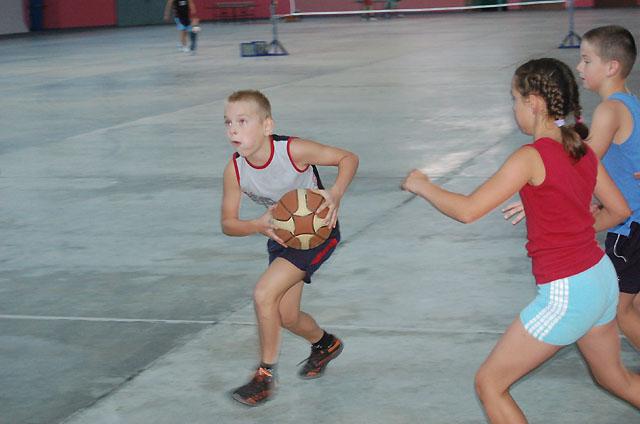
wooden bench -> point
(233, 10)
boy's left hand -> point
(331, 202)
(514, 209)
(413, 181)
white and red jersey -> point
(266, 184)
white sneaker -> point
(185, 49)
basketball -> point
(299, 226)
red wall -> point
(79, 13)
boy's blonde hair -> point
(252, 96)
(613, 42)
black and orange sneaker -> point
(261, 388)
(319, 358)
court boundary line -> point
(348, 327)
(105, 319)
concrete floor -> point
(122, 302)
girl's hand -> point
(331, 202)
(637, 175)
(514, 209)
(266, 226)
(413, 181)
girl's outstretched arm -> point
(520, 168)
(307, 152)
(614, 208)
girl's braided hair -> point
(553, 80)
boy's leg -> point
(183, 39)
(270, 289)
(601, 349)
(515, 355)
(193, 36)
(324, 347)
(628, 316)
(293, 319)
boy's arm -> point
(513, 175)
(614, 208)
(307, 152)
(230, 222)
(167, 9)
(192, 9)
(603, 128)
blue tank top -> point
(622, 160)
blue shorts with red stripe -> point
(306, 260)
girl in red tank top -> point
(556, 176)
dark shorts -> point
(306, 260)
(624, 252)
(183, 24)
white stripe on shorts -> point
(540, 325)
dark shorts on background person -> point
(183, 24)
(306, 260)
(624, 252)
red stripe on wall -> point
(79, 13)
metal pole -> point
(275, 48)
(572, 40)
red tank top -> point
(560, 230)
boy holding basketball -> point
(265, 167)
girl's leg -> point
(628, 317)
(516, 354)
(271, 287)
(601, 349)
(295, 320)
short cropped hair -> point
(252, 96)
(614, 42)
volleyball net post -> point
(262, 48)
(572, 40)
(275, 47)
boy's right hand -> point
(266, 226)
(516, 209)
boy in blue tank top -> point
(607, 55)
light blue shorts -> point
(565, 310)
